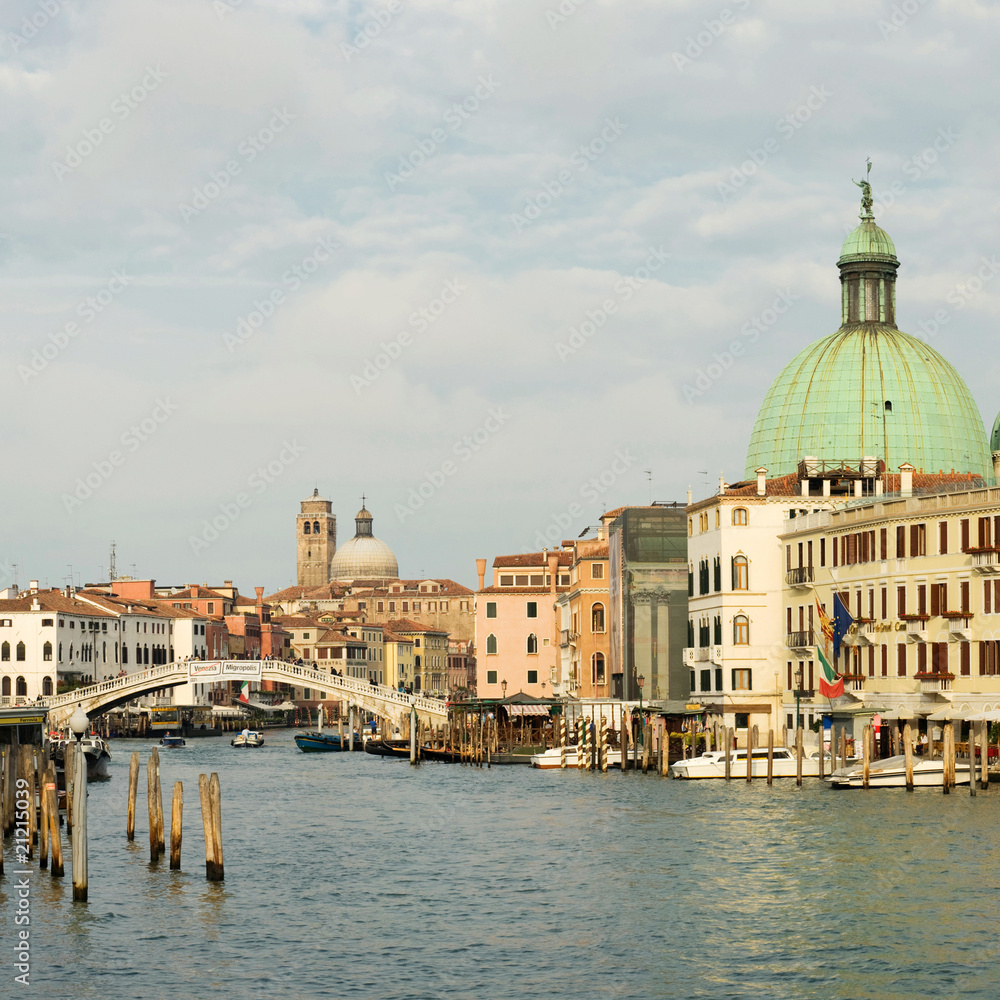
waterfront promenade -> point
(354, 876)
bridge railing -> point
(143, 680)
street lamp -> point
(503, 687)
(642, 680)
(79, 722)
(798, 695)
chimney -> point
(906, 480)
(481, 570)
(553, 571)
(35, 606)
(689, 496)
(33, 586)
(761, 482)
(722, 484)
(194, 590)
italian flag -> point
(830, 685)
(245, 692)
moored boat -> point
(552, 758)
(321, 742)
(248, 738)
(891, 773)
(784, 764)
(96, 750)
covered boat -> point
(713, 764)
(248, 738)
(891, 773)
(95, 748)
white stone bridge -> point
(385, 702)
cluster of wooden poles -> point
(211, 815)
(29, 806)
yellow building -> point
(399, 662)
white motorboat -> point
(891, 773)
(784, 765)
(248, 738)
(96, 750)
(552, 758)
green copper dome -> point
(870, 390)
(866, 242)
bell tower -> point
(316, 540)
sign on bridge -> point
(226, 669)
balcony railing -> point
(986, 560)
(801, 640)
(801, 577)
(935, 682)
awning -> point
(900, 714)
(992, 716)
(527, 709)
(946, 715)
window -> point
(307, 528)
(20, 651)
(210, 607)
(315, 527)
(532, 676)
(491, 609)
(46, 686)
(741, 682)
(742, 720)
(532, 609)
(718, 678)
(741, 573)
(597, 571)
(717, 574)
(597, 668)
(706, 680)
(491, 644)
(5, 687)
(46, 622)
(5, 651)
(491, 677)
(380, 606)
(740, 515)
(597, 618)
(506, 580)
(901, 660)
(717, 630)
(47, 651)
(532, 646)
(8, 623)
(21, 687)
(416, 607)
(943, 537)
(741, 631)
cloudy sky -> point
(481, 261)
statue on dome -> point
(866, 193)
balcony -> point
(916, 627)
(716, 655)
(801, 577)
(801, 640)
(986, 560)
(931, 683)
(959, 625)
(689, 656)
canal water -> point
(354, 876)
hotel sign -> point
(226, 669)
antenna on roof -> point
(112, 570)
(649, 476)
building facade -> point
(315, 540)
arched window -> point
(5, 687)
(20, 651)
(138, 653)
(597, 618)
(315, 527)
(307, 529)
(22, 688)
(597, 668)
(532, 643)
(47, 651)
(741, 630)
(71, 652)
(491, 644)
(60, 652)
(741, 573)
(46, 686)
(416, 662)
(5, 651)
(104, 652)
(740, 515)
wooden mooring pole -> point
(984, 752)
(133, 791)
(152, 779)
(55, 839)
(729, 753)
(770, 756)
(866, 758)
(176, 821)
(211, 820)
(908, 755)
(798, 755)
